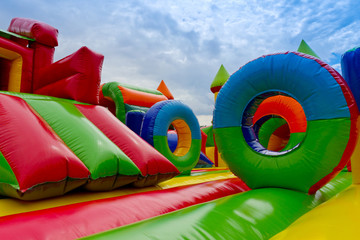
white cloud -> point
(205, 120)
(185, 42)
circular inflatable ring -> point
(330, 112)
(155, 127)
(280, 123)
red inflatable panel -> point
(35, 154)
(76, 76)
(150, 162)
(354, 112)
(41, 32)
(203, 141)
(83, 219)
(43, 57)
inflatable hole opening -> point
(11, 69)
(274, 123)
(184, 137)
(273, 132)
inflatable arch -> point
(331, 122)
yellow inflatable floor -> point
(338, 218)
(10, 206)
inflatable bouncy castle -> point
(115, 161)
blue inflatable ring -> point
(155, 127)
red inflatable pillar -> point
(45, 37)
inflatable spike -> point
(221, 77)
(165, 90)
(305, 48)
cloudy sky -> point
(185, 42)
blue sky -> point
(185, 42)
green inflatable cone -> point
(305, 48)
(220, 79)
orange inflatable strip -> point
(285, 107)
(138, 98)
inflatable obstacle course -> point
(286, 124)
(253, 217)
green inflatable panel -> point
(110, 168)
(7, 175)
(210, 136)
(111, 90)
(268, 128)
(277, 168)
(255, 214)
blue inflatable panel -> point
(297, 75)
(172, 141)
(162, 114)
(134, 120)
(204, 159)
(147, 132)
(350, 66)
(167, 112)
